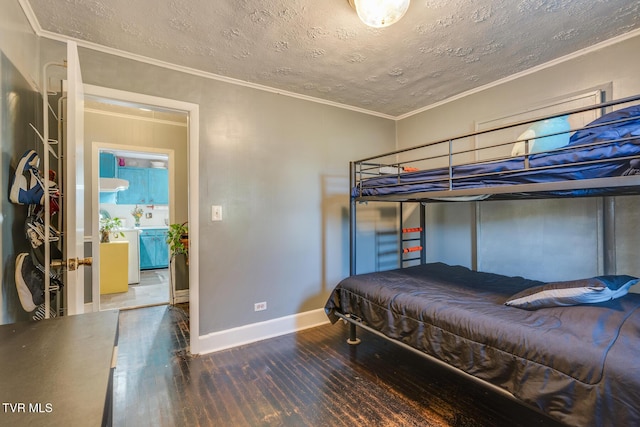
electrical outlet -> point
(260, 306)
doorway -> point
(191, 202)
(134, 193)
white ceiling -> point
(320, 49)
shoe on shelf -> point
(38, 257)
(27, 187)
(34, 231)
(29, 282)
(40, 311)
(20, 186)
(29, 160)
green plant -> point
(108, 226)
(178, 239)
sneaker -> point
(29, 283)
(20, 186)
(40, 311)
(34, 230)
(27, 187)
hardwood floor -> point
(311, 378)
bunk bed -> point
(566, 348)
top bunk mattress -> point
(607, 147)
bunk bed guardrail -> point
(600, 157)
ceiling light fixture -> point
(380, 13)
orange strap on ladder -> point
(411, 230)
(412, 249)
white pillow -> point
(573, 292)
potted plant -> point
(178, 241)
(108, 226)
(137, 214)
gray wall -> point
(20, 105)
(548, 239)
(279, 167)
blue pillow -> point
(610, 131)
(538, 144)
(573, 292)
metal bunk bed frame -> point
(608, 187)
(619, 185)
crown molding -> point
(35, 25)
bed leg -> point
(353, 338)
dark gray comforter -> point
(577, 364)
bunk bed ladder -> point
(413, 239)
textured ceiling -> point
(320, 49)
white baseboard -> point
(181, 296)
(247, 334)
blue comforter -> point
(604, 148)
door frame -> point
(96, 148)
(193, 142)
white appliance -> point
(133, 237)
(113, 185)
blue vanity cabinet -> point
(154, 251)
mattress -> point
(605, 148)
(576, 364)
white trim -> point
(180, 296)
(193, 147)
(137, 98)
(247, 334)
(134, 117)
(31, 17)
(194, 227)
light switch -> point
(216, 213)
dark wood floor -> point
(312, 378)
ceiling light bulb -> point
(380, 13)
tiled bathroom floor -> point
(153, 289)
